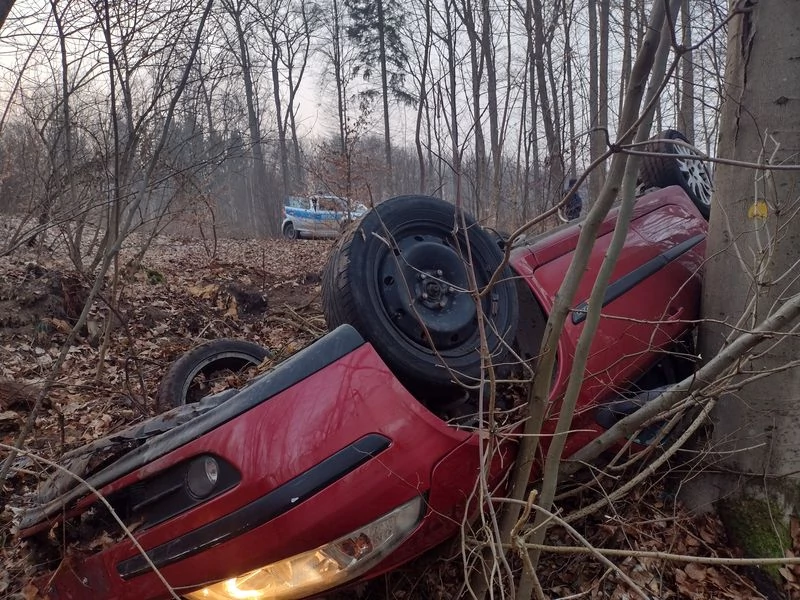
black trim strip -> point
(258, 512)
(639, 274)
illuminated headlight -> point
(322, 568)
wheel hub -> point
(695, 173)
(425, 292)
(432, 291)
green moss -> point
(758, 528)
(154, 277)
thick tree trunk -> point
(754, 249)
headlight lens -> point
(324, 567)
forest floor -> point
(189, 290)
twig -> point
(106, 503)
(546, 514)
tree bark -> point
(487, 50)
(596, 137)
(422, 100)
(5, 8)
(686, 113)
(570, 99)
(338, 74)
(387, 140)
(754, 249)
(481, 186)
(555, 157)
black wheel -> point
(192, 376)
(289, 232)
(684, 168)
(399, 276)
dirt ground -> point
(266, 292)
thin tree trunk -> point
(387, 140)
(602, 101)
(338, 74)
(423, 97)
(554, 154)
(283, 151)
(487, 50)
(453, 104)
(686, 112)
(627, 36)
(596, 137)
(570, 100)
(481, 186)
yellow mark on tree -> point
(758, 210)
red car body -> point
(330, 439)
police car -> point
(318, 216)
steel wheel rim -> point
(695, 174)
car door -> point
(328, 215)
(651, 301)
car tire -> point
(289, 232)
(683, 168)
(404, 253)
(181, 383)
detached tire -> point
(683, 168)
(187, 379)
(400, 278)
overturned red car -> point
(360, 452)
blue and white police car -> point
(318, 216)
